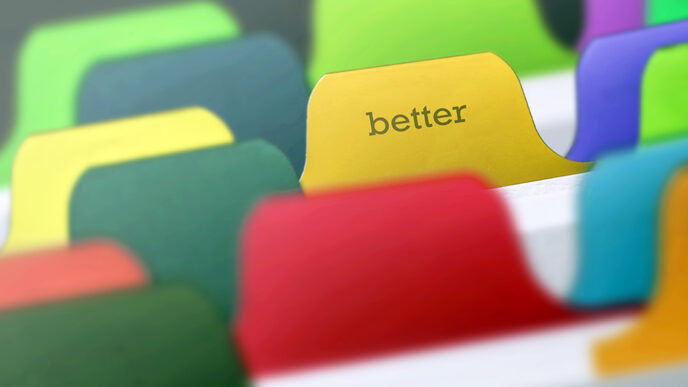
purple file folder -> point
(608, 80)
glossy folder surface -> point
(464, 113)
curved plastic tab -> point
(660, 338)
(604, 17)
(620, 203)
(254, 84)
(48, 165)
(609, 79)
(391, 268)
(182, 214)
(665, 95)
(439, 116)
(664, 11)
(20, 18)
(65, 273)
(158, 337)
(353, 34)
(55, 58)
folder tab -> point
(55, 58)
(164, 336)
(465, 113)
(609, 82)
(664, 11)
(182, 214)
(665, 95)
(48, 165)
(69, 272)
(604, 17)
(660, 337)
(18, 20)
(254, 84)
(355, 34)
(620, 201)
(391, 268)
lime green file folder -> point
(356, 34)
(664, 98)
(55, 58)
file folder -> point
(254, 84)
(464, 113)
(664, 95)
(17, 20)
(182, 214)
(355, 34)
(658, 338)
(605, 17)
(342, 276)
(49, 165)
(618, 224)
(166, 336)
(609, 78)
(59, 274)
(55, 58)
(663, 11)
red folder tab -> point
(347, 275)
(64, 273)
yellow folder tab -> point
(464, 113)
(48, 166)
(660, 337)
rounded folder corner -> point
(352, 140)
(52, 162)
(609, 79)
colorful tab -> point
(55, 58)
(65, 273)
(254, 84)
(16, 23)
(387, 269)
(194, 205)
(620, 203)
(48, 165)
(446, 115)
(609, 79)
(665, 95)
(659, 338)
(354, 34)
(664, 11)
(604, 17)
(164, 336)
